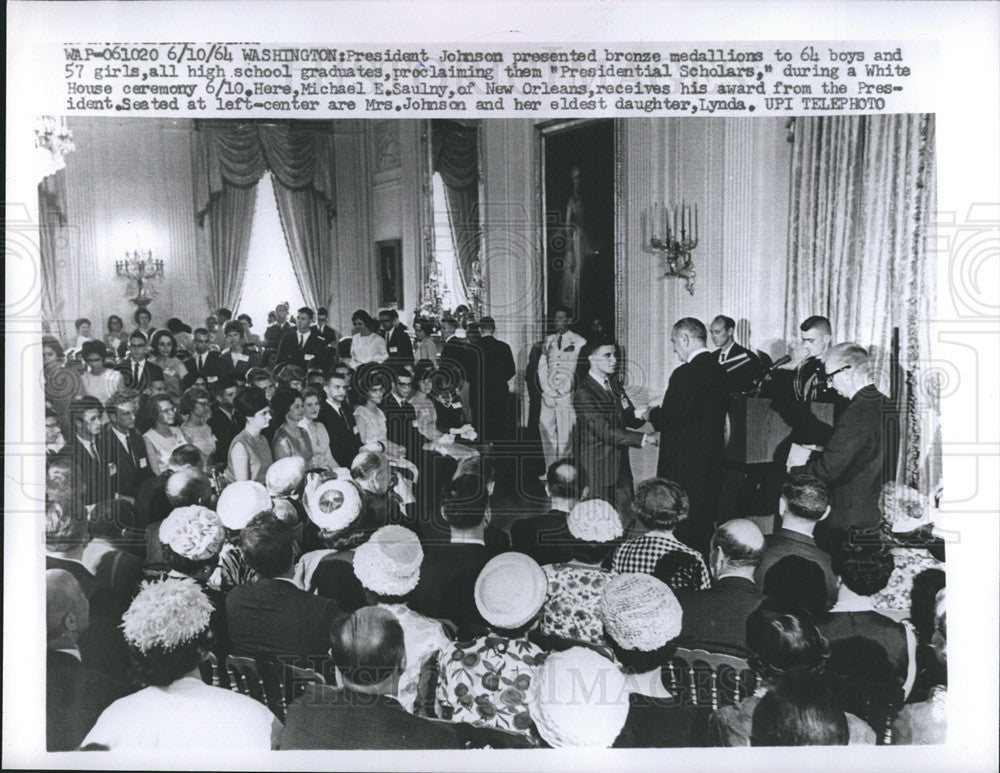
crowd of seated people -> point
(300, 499)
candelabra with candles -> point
(673, 233)
(139, 268)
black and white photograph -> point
(499, 436)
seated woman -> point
(167, 628)
(115, 338)
(160, 413)
(927, 722)
(575, 587)
(238, 503)
(319, 439)
(164, 353)
(99, 381)
(365, 343)
(288, 438)
(783, 642)
(249, 453)
(196, 408)
(799, 711)
(373, 386)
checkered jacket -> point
(642, 554)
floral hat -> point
(194, 532)
(389, 562)
(594, 520)
(640, 612)
(166, 614)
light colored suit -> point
(556, 372)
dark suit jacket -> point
(328, 334)
(545, 538)
(344, 440)
(715, 618)
(843, 629)
(447, 584)
(663, 724)
(150, 372)
(238, 368)
(602, 436)
(91, 474)
(691, 420)
(785, 542)
(498, 369)
(274, 618)
(325, 717)
(225, 428)
(213, 369)
(457, 355)
(399, 420)
(75, 696)
(853, 464)
(741, 368)
(274, 333)
(131, 467)
(399, 344)
(313, 355)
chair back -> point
(271, 682)
(211, 671)
(710, 678)
(245, 677)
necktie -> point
(135, 372)
(722, 356)
(201, 362)
(302, 341)
(559, 343)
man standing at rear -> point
(556, 374)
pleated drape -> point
(51, 219)
(455, 154)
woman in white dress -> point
(366, 344)
(98, 381)
(164, 351)
(319, 438)
(164, 437)
(196, 408)
(369, 417)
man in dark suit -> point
(498, 370)
(740, 365)
(397, 340)
(272, 617)
(205, 362)
(368, 652)
(337, 417)
(138, 372)
(854, 464)
(94, 482)
(691, 422)
(715, 618)
(606, 426)
(122, 447)
(224, 422)
(327, 333)
(456, 358)
(275, 332)
(303, 346)
(546, 538)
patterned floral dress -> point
(570, 610)
(486, 682)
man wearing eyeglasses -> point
(856, 460)
(122, 447)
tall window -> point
(452, 291)
(270, 278)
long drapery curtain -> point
(455, 156)
(229, 161)
(862, 204)
(51, 219)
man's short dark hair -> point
(307, 311)
(806, 496)
(695, 328)
(816, 322)
(185, 455)
(566, 479)
(82, 404)
(137, 335)
(322, 312)
(367, 646)
(390, 313)
(268, 544)
(464, 501)
(224, 313)
(728, 322)
(863, 561)
(202, 331)
(798, 583)
(799, 711)
(487, 323)
(784, 640)
(660, 503)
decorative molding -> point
(386, 137)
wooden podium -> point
(757, 426)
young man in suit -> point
(138, 372)
(337, 416)
(206, 361)
(369, 653)
(224, 422)
(303, 346)
(397, 340)
(741, 366)
(122, 446)
(715, 618)
(327, 333)
(455, 360)
(691, 422)
(93, 468)
(272, 617)
(276, 331)
(498, 370)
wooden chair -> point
(245, 678)
(273, 683)
(292, 681)
(728, 679)
(211, 671)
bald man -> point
(75, 696)
(715, 618)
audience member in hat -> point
(545, 537)
(238, 503)
(167, 630)
(642, 620)
(799, 711)
(579, 698)
(575, 587)
(285, 479)
(660, 505)
(715, 618)
(926, 722)
(187, 486)
(783, 643)
(151, 503)
(486, 681)
(271, 616)
(368, 650)
(388, 566)
(250, 453)
(75, 695)
(447, 583)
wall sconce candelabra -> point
(673, 233)
(140, 269)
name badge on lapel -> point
(309, 357)
(112, 468)
(393, 349)
(624, 402)
(143, 463)
(212, 379)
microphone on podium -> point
(769, 371)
